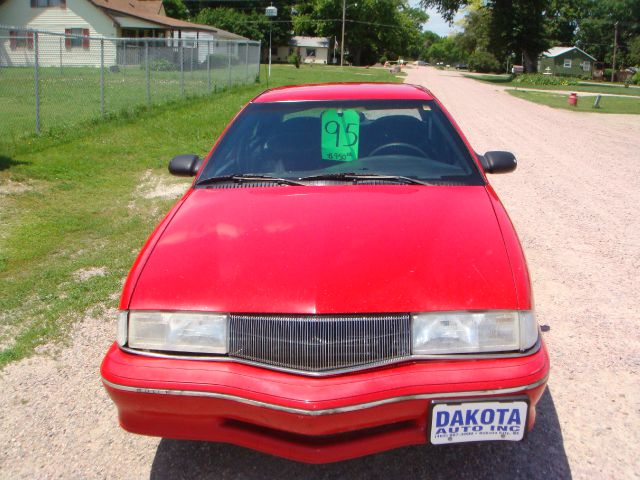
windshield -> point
(297, 140)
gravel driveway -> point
(574, 200)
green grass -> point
(603, 89)
(74, 200)
(505, 80)
(70, 96)
(585, 104)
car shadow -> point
(541, 455)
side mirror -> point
(185, 165)
(498, 162)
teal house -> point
(569, 61)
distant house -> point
(89, 18)
(566, 61)
(311, 50)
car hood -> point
(329, 249)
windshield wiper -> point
(351, 176)
(248, 177)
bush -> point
(539, 79)
(483, 62)
(160, 65)
(383, 59)
(217, 60)
(294, 59)
(636, 78)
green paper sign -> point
(340, 135)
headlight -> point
(178, 331)
(437, 333)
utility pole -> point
(344, 14)
(270, 12)
(615, 47)
(270, 28)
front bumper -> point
(315, 420)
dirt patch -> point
(10, 187)
(85, 274)
(160, 189)
(57, 420)
(153, 186)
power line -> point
(373, 23)
(332, 20)
(602, 21)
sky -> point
(437, 24)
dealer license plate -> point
(479, 421)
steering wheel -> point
(404, 145)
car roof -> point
(345, 91)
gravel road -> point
(574, 200)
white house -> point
(81, 20)
(311, 49)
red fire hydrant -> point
(573, 99)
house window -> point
(311, 52)
(274, 50)
(48, 3)
(567, 63)
(19, 39)
(586, 66)
(76, 38)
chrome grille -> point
(320, 343)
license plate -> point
(479, 421)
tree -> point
(253, 24)
(175, 9)
(445, 50)
(428, 38)
(248, 25)
(519, 26)
(596, 27)
(411, 37)
(477, 25)
(483, 62)
(634, 51)
(374, 28)
(562, 19)
(515, 25)
(528, 27)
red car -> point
(339, 280)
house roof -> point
(149, 6)
(299, 41)
(150, 11)
(556, 51)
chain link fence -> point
(50, 81)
